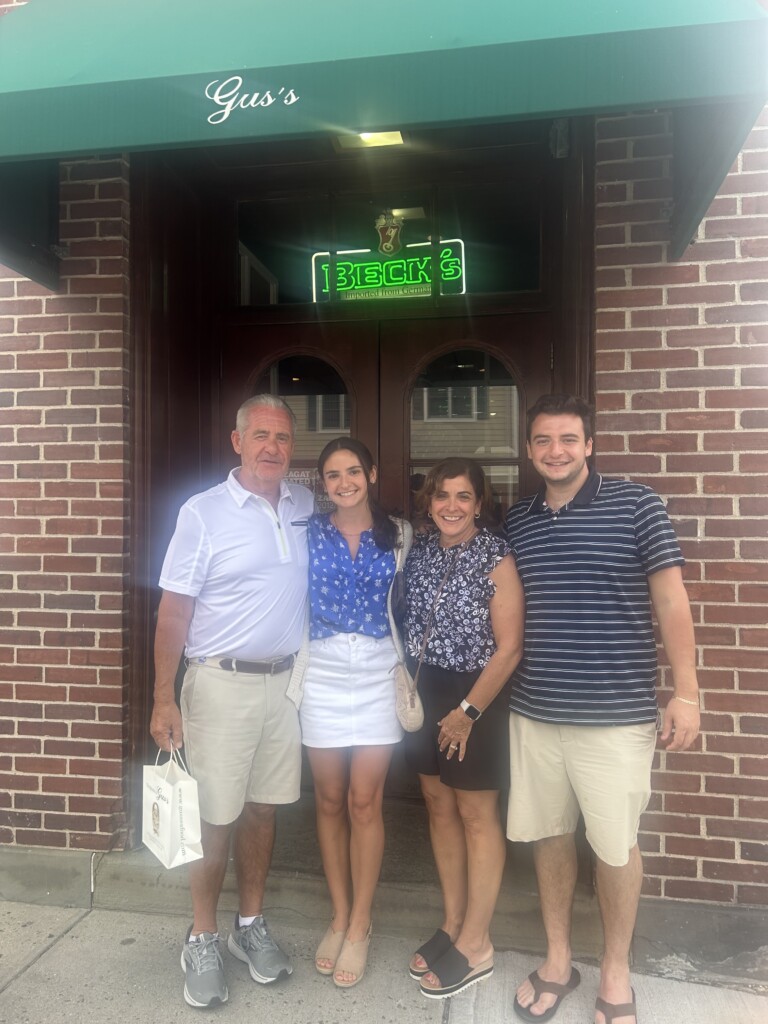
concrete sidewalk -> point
(94, 965)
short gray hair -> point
(268, 401)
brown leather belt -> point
(255, 668)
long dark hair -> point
(384, 530)
(449, 469)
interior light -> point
(368, 140)
(410, 213)
(295, 378)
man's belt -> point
(256, 668)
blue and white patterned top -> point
(347, 596)
(461, 634)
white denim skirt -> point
(349, 692)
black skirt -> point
(486, 762)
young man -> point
(594, 556)
(234, 586)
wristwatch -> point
(470, 710)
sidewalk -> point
(91, 939)
(90, 966)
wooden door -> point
(424, 363)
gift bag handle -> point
(175, 756)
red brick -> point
(752, 895)
(698, 846)
(755, 852)
(623, 340)
(42, 728)
(29, 837)
(738, 786)
(679, 316)
(695, 889)
(39, 802)
(741, 313)
(700, 463)
(67, 784)
(702, 294)
(629, 255)
(664, 358)
(678, 867)
(723, 871)
(696, 803)
(96, 768)
(754, 808)
(670, 823)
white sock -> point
(243, 922)
(196, 938)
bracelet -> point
(684, 700)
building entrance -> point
(266, 268)
(414, 391)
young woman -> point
(465, 623)
(348, 720)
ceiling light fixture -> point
(369, 140)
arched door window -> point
(319, 399)
(466, 403)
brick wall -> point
(682, 397)
(63, 488)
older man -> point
(234, 586)
(594, 555)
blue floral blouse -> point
(347, 596)
(461, 635)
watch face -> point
(470, 711)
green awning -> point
(79, 77)
(86, 76)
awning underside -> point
(87, 76)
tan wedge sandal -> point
(329, 949)
(352, 960)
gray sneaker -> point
(256, 947)
(203, 967)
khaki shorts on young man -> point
(557, 770)
(242, 741)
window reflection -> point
(466, 403)
(318, 397)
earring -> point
(477, 515)
(429, 514)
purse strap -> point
(400, 546)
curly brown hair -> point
(449, 469)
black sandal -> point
(430, 952)
(612, 1010)
(455, 974)
(540, 987)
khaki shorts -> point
(557, 770)
(241, 740)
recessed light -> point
(369, 140)
(410, 213)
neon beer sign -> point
(363, 274)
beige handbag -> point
(410, 710)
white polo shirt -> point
(246, 567)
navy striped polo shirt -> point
(590, 655)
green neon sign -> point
(363, 274)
